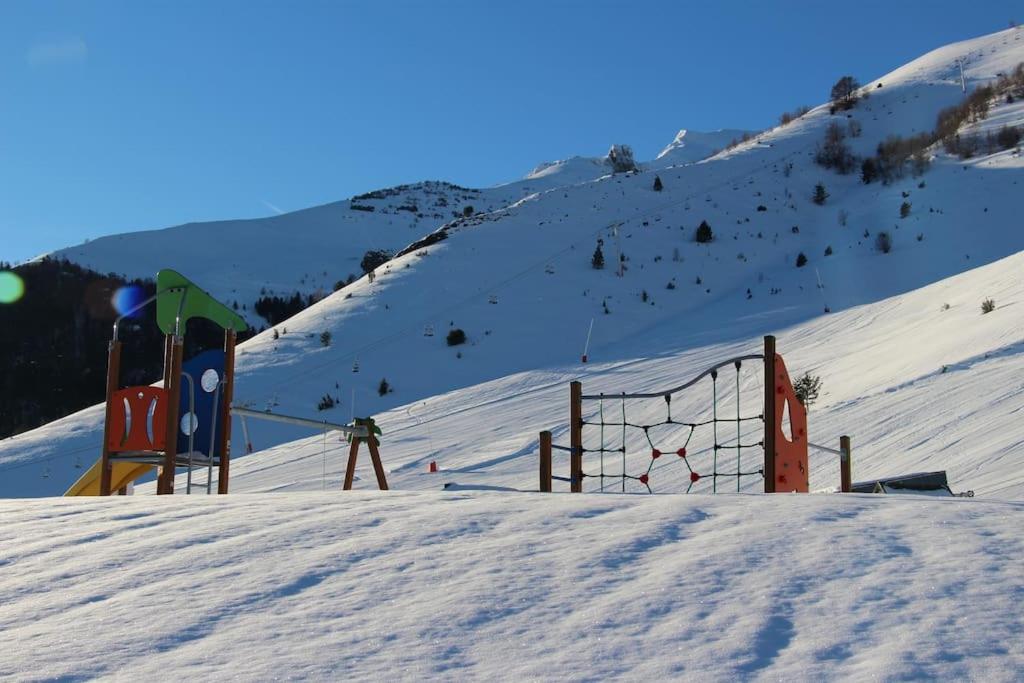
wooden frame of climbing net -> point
(785, 466)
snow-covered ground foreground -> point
(500, 586)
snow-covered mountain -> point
(517, 278)
(305, 251)
(691, 146)
(311, 250)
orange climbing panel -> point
(138, 420)
(791, 473)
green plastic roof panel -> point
(177, 292)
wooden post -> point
(172, 382)
(545, 462)
(168, 362)
(769, 414)
(576, 437)
(845, 466)
(350, 469)
(113, 379)
(378, 466)
(227, 395)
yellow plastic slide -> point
(122, 473)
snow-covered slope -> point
(311, 250)
(571, 171)
(692, 146)
(444, 586)
(688, 147)
(305, 251)
(519, 281)
(918, 386)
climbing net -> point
(636, 441)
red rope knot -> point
(643, 479)
(655, 454)
(681, 452)
(694, 477)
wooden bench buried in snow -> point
(921, 483)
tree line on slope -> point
(895, 153)
(53, 342)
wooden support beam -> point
(770, 392)
(845, 465)
(165, 479)
(545, 462)
(113, 380)
(378, 466)
(223, 472)
(576, 437)
(350, 469)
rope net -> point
(640, 442)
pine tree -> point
(598, 260)
(704, 234)
(657, 184)
(868, 171)
(384, 387)
(801, 260)
(807, 389)
(820, 195)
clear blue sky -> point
(120, 116)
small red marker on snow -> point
(433, 466)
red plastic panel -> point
(138, 420)
(790, 453)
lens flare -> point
(126, 298)
(12, 287)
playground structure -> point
(186, 422)
(784, 442)
(164, 427)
